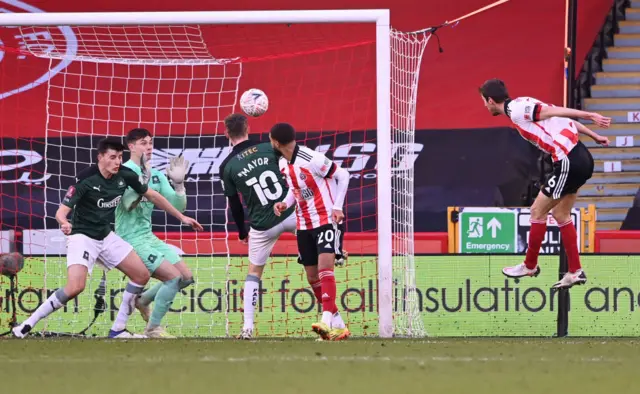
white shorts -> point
(85, 251)
(261, 242)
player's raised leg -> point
(562, 214)
(119, 254)
(539, 213)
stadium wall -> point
(473, 167)
(505, 42)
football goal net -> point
(346, 81)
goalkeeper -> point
(133, 224)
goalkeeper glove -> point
(145, 169)
(176, 171)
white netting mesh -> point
(123, 44)
(165, 79)
(162, 78)
(406, 58)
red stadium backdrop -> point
(521, 43)
(506, 42)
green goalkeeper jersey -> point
(251, 169)
(135, 224)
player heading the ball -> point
(318, 188)
(94, 198)
(251, 170)
(133, 224)
(551, 130)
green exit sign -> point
(487, 230)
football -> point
(254, 102)
(11, 263)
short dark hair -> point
(110, 143)
(236, 125)
(284, 133)
(494, 89)
(137, 134)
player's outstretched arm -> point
(600, 139)
(166, 206)
(547, 112)
(61, 217)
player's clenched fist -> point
(337, 216)
(66, 228)
(192, 222)
(279, 207)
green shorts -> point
(153, 251)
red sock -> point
(317, 290)
(328, 283)
(536, 236)
(570, 242)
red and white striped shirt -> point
(556, 136)
(309, 178)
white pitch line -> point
(295, 359)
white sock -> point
(337, 322)
(326, 318)
(250, 300)
(128, 305)
(52, 304)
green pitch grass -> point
(302, 366)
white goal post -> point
(384, 96)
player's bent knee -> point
(538, 212)
(185, 282)
(256, 270)
(312, 272)
(312, 278)
(141, 277)
(561, 217)
(73, 288)
(134, 268)
(76, 279)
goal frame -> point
(383, 93)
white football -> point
(254, 102)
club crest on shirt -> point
(155, 179)
(303, 176)
(120, 183)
